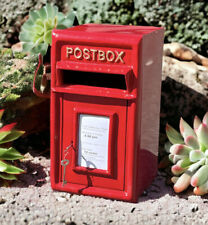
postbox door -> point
(93, 134)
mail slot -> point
(105, 102)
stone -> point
(2, 201)
(182, 52)
(17, 47)
(184, 86)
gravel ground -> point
(32, 201)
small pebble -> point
(194, 208)
(2, 201)
(60, 199)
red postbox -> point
(105, 103)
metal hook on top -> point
(66, 150)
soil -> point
(30, 200)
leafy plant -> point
(8, 133)
(189, 154)
(16, 76)
(36, 31)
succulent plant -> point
(189, 154)
(36, 31)
(8, 133)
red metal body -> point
(112, 73)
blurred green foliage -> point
(185, 21)
(16, 75)
(107, 11)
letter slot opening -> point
(105, 80)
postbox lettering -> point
(77, 53)
(110, 56)
(69, 51)
(95, 54)
(86, 54)
(101, 55)
(119, 56)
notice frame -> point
(107, 168)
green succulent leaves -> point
(173, 135)
(8, 133)
(9, 154)
(189, 154)
(36, 31)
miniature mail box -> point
(105, 103)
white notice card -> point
(93, 141)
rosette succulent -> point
(36, 31)
(8, 133)
(189, 154)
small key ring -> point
(64, 162)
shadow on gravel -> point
(34, 175)
(37, 144)
(161, 186)
(157, 189)
(71, 223)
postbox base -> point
(94, 191)
(147, 170)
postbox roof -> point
(119, 34)
(116, 29)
